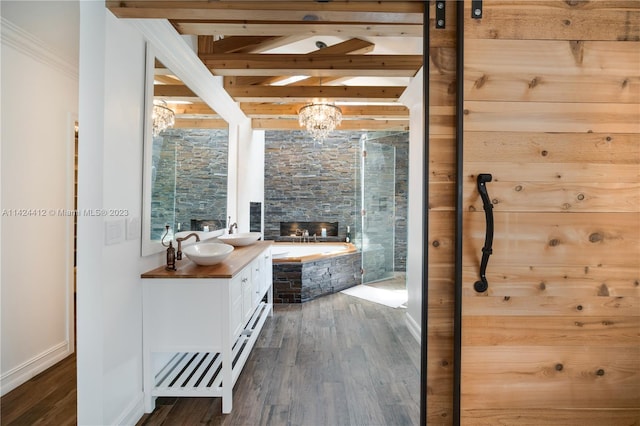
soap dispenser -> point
(171, 252)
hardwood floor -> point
(47, 399)
(337, 360)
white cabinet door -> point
(247, 292)
(235, 315)
(267, 271)
(257, 277)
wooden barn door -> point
(551, 111)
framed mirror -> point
(185, 164)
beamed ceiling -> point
(277, 56)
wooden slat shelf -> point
(200, 373)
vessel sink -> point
(241, 238)
(207, 253)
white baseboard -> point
(414, 328)
(133, 412)
(36, 365)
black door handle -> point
(482, 285)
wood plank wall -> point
(552, 111)
(442, 217)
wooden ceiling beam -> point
(173, 90)
(352, 46)
(244, 28)
(315, 81)
(290, 124)
(408, 12)
(167, 79)
(200, 124)
(254, 80)
(306, 93)
(318, 65)
(244, 44)
(273, 110)
(232, 44)
(232, 81)
(293, 93)
(196, 108)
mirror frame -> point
(149, 246)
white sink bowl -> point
(241, 238)
(207, 253)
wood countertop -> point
(238, 259)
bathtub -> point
(304, 252)
(306, 271)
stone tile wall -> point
(317, 182)
(190, 178)
(309, 182)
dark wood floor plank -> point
(49, 395)
(159, 415)
(336, 360)
(275, 415)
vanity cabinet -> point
(261, 274)
(201, 322)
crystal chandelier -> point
(163, 117)
(320, 119)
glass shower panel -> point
(377, 199)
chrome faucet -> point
(180, 240)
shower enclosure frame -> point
(374, 233)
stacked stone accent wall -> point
(190, 179)
(306, 181)
(309, 182)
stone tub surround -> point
(297, 282)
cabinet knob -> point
(244, 280)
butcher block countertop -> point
(238, 259)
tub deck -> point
(306, 252)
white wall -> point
(412, 98)
(112, 61)
(39, 106)
(250, 173)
